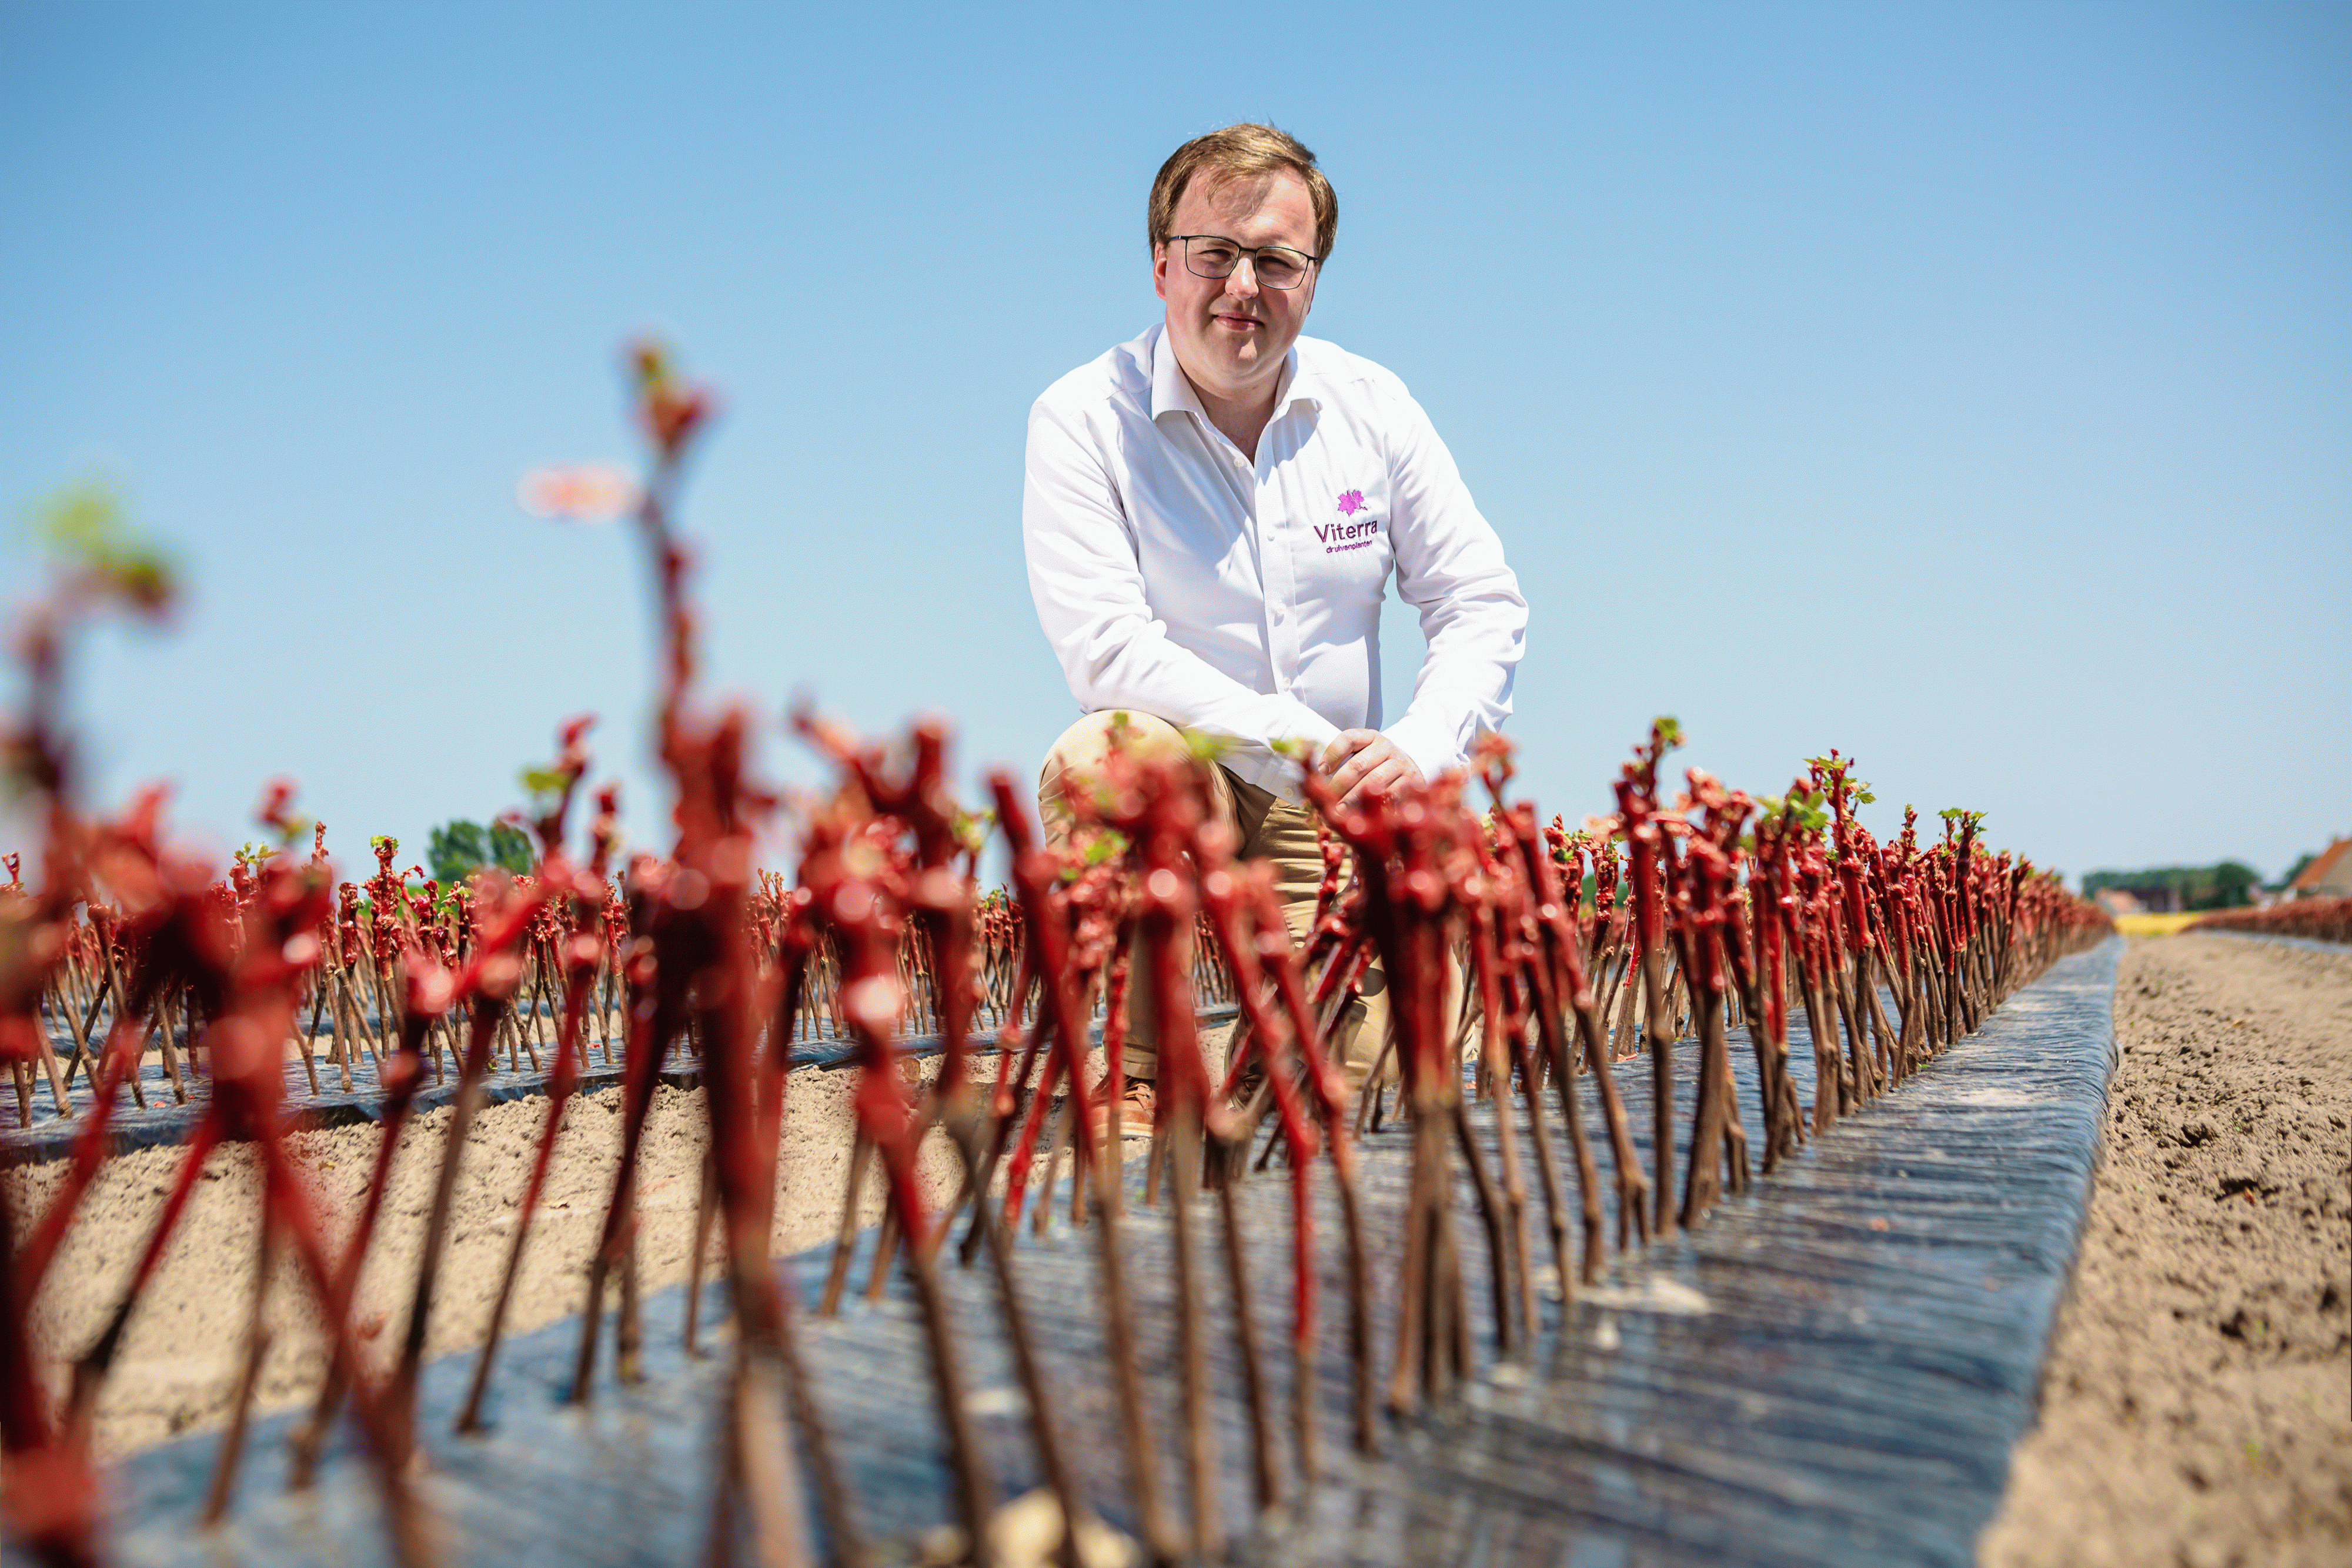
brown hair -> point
(1242, 152)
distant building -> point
(2329, 874)
(2119, 902)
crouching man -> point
(1211, 513)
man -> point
(1211, 513)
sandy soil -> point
(2197, 1407)
(179, 1363)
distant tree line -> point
(2228, 885)
(457, 850)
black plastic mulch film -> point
(1833, 1370)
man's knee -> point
(1080, 752)
(1085, 743)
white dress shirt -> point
(1175, 576)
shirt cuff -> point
(1432, 748)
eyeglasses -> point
(1213, 255)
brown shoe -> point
(1135, 1110)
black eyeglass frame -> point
(1308, 261)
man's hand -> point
(1362, 762)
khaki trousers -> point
(1269, 829)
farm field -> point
(2156, 925)
(2195, 1402)
(1712, 911)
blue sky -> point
(1969, 387)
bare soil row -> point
(2196, 1403)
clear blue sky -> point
(1969, 387)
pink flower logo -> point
(1351, 502)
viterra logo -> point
(1350, 535)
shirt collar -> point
(1171, 391)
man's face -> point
(1231, 334)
